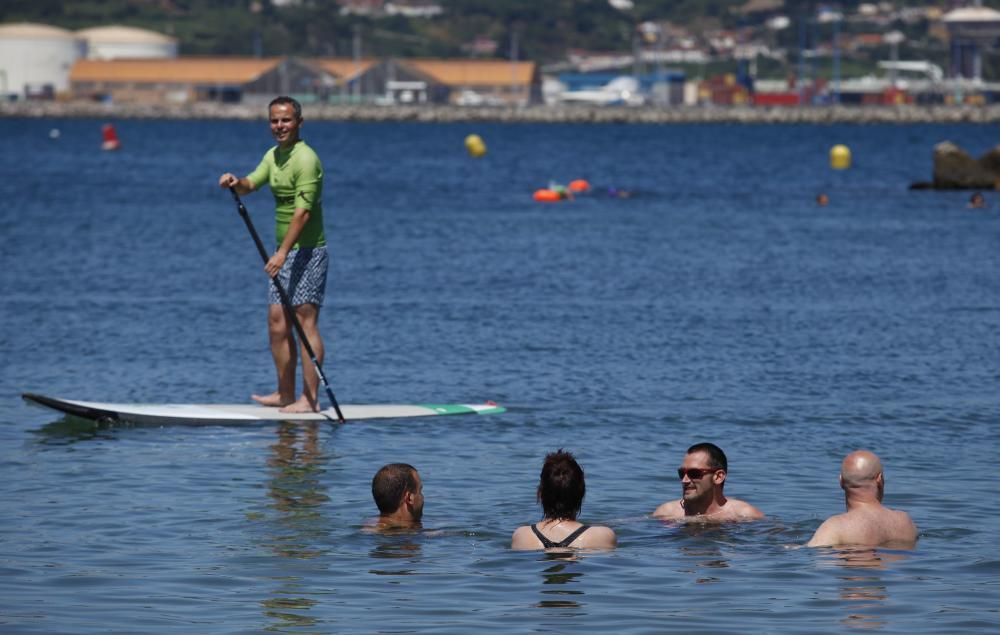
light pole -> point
(834, 16)
(356, 82)
(836, 59)
(893, 39)
(625, 6)
(515, 95)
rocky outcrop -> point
(955, 169)
(991, 161)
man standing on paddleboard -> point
(295, 175)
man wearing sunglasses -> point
(703, 477)
(866, 522)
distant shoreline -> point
(531, 114)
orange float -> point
(579, 185)
(547, 196)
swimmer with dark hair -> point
(560, 491)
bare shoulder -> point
(523, 538)
(670, 509)
(598, 537)
(742, 510)
(828, 534)
(907, 529)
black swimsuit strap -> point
(568, 540)
(545, 541)
(565, 542)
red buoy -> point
(111, 141)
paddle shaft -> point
(287, 303)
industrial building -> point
(329, 80)
(185, 80)
(479, 82)
(35, 60)
(126, 42)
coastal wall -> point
(531, 114)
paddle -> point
(287, 303)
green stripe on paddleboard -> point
(457, 409)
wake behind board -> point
(223, 414)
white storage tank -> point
(35, 59)
(126, 42)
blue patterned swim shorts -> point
(303, 276)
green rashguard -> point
(296, 180)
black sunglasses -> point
(695, 473)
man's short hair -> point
(390, 483)
(284, 100)
(716, 457)
(561, 486)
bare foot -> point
(273, 400)
(302, 405)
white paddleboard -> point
(223, 414)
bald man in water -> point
(866, 522)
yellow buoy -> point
(475, 145)
(840, 157)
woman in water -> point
(560, 491)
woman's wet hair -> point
(561, 487)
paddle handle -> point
(287, 303)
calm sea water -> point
(718, 303)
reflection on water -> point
(861, 588)
(396, 546)
(704, 550)
(706, 557)
(68, 430)
(298, 494)
(296, 489)
(280, 609)
(866, 557)
(559, 576)
(862, 595)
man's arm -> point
(747, 511)
(670, 509)
(299, 219)
(242, 186)
(827, 535)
